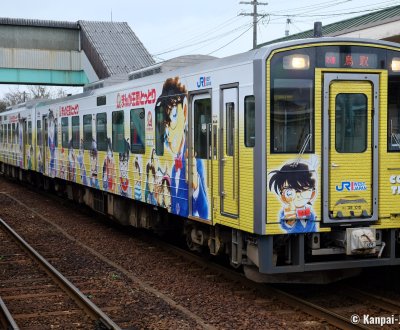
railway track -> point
(245, 289)
(100, 319)
(6, 320)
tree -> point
(16, 96)
(3, 106)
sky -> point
(210, 27)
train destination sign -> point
(351, 60)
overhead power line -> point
(255, 15)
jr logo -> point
(351, 186)
(204, 82)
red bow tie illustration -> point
(178, 163)
(303, 213)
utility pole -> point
(255, 15)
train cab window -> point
(75, 132)
(202, 121)
(118, 134)
(64, 132)
(351, 122)
(29, 131)
(292, 115)
(249, 121)
(394, 114)
(137, 131)
(101, 131)
(87, 132)
(39, 132)
(230, 128)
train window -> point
(394, 114)
(291, 115)
(351, 122)
(118, 134)
(249, 121)
(160, 130)
(9, 133)
(87, 132)
(13, 139)
(64, 132)
(137, 131)
(39, 132)
(230, 128)
(29, 132)
(101, 131)
(75, 132)
(202, 119)
(101, 100)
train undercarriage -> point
(297, 258)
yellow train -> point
(286, 158)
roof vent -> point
(317, 29)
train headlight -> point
(396, 64)
(296, 62)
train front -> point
(329, 161)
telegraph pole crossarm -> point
(255, 15)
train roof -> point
(208, 66)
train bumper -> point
(360, 248)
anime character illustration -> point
(71, 168)
(29, 154)
(150, 180)
(295, 186)
(94, 181)
(164, 193)
(39, 158)
(52, 143)
(174, 106)
(62, 162)
(124, 188)
(137, 178)
(109, 171)
(20, 141)
(81, 163)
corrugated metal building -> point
(67, 53)
(383, 24)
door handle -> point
(335, 165)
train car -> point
(286, 158)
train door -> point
(229, 157)
(200, 162)
(45, 143)
(350, 157)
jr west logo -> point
(204, 82)
(351, 186)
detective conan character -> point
(29, 157)
(81, 162)
(124, 188)
(52, 142)
(295, 186)
(109, 171)
(173, 105)
(137, 179)
(94, 181)
(150, 182)
(71, 163)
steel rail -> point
(89, 307)
(6, 320)
(382, 302)
(324, 314)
